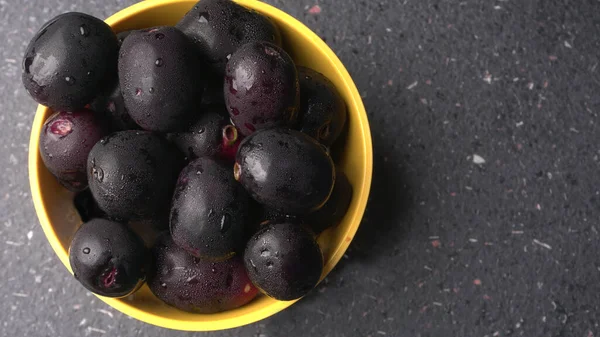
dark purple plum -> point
(219, 27)
(108, 258)
(110, 104)
(322, 113)
(86, 206)
(66, 141)
(286, 170)
(132, 174)
(209, 210)
(209, 136)
(199, 286)
(161, 78)
(261, 87)
(69, 60)
(284, 261)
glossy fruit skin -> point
(261, 87)
(110, 105)
(204, 137)
(219, 27)
(66, 141)
(161, 78)
(69, 61)
(195, 285)
(286, 170)
(284, 261)
(107, 258)
(209, 210)
(322, 112)
(132, 174)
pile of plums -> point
(199, 155)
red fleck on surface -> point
(316, 9)
(477, 282)
(423, 309)
(428, 82)
(486, 297)
(519, 147)
(436, 243)
(453, 194)
(390, 82)
(455, 290)
(538, 207)
(546, 84)
(552, 57)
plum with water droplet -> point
(108, 259)
(322, 113)
(132, 174)
(284, 261)
(261, 88)
(286, 170)
(196, 285)
(209, 210)
(211, 135)
(219, 27)
(69, 60)
(65, 142)
(162, 78)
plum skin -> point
(284, 261)
(322, 113)
(70, 59)
(162, 79)
(107, 258)
(194, 285)
(286, 170)
(209, 210)
(219, 27)
(132, 174)
(261, 88)
(65, 142)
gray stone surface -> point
(484, 214)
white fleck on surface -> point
(29, 235)
(473, 240)
(487, 78)
(437, 304)
(477, 159)
(389, 30)
(568, 45)
(12, 243)
(92, 329)
(106, 312)
(383, 333)
(20, 295)
(12, 159)
(412, 85)
(519, 124)
(38, 279)
(517, 232)
(497, 7)
(542, 244)
(530, 85)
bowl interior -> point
(59, 219)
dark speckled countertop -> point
(485, 207)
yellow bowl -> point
(59, 219)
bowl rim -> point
(266, 311)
